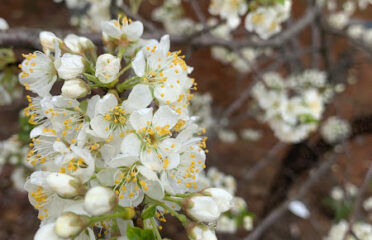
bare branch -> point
(264, 161)
(279, 211)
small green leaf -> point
(84, 105)
(91, 78)
(6, 57)
(149, 212)
(136, 233)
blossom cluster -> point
(335, 130)
(238, 216)
(340, 18)
(9, 87)
(88, 14)
(341, 200)
(114, 143)
(13, 151)
(292, 107)
(265, 20)
(171, 15)
(339, 231)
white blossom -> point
(202, 233)
(107, 68)
(74, 88)
(202, 208)
(100, 200)
(71, 66)
(3, 24)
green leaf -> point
(91, 78)
(149, 212)
(6, 57)
(136, 233)
(25, 129)
(341, 209)
(307, 118)
(84, 105)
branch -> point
(264, 161)
(28, 38)
(359, 200)
(279, 211)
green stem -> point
(122, 71)
(127, 84)
(121, 53)
(175, 200)
(125, 213)
(184, 195)
(155, 227)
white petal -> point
(139, 64)
(110, 29)
(155, 190)
(106, 103)
(139, 119)
(164, 44)
(165, 116)
(122, 160)
(47, 232)
(299, 209)
(106, 176)
(150, 160)
(147, 173)
(99, 126)
(174, 160)
(140, 97)
(187, 133)
(131, 145)
(133, 31)
(167, 94)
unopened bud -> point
(100, 200)
(65, 185)
(47, 231)
(71, 66)
(221, 197)
(202, 208)
(78, 44)
(47, 40)
(107, 68)
(70, 224)
(201, 232)
(75, 88)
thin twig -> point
(279, 211)
(359, 200)
(264, 161)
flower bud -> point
(72, 66)
(47, 232)
(202, 208)
(3, 24)
(107, 68)
(78, 44)
(65, 185)
(221, 197)
(201, 232)
(74, 88)
(100, 200)
(70, 224)
(47, 40)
